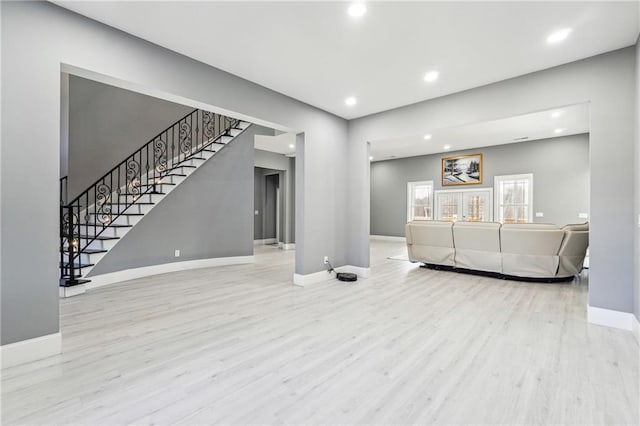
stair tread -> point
(135, 203)
(122, 214)
(75, 265)
(116, 225)
(64, 283)
(99, 237)
(146, 193)
(86, 251)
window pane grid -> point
(514, 196)
(420, 200)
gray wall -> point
(209, 215)
(31, 69)
(286, 166)
(107, 124)
(64, 124)
(606, 81)
(637, 168)
(560, 168)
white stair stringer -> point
(121, 225)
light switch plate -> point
(256, 212)
(583, 215)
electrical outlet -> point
(177, 253)
(326, 260)
(583, 215)
(539, 214)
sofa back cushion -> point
(477, 246)
(430, 242)
(530, 250)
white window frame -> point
(462, 191)
(410, 189)
(496, 185)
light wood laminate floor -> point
(241, 344)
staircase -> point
(93, 222)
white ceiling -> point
(539, 125)
(280, 144)
(317, 53)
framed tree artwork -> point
(462, 170)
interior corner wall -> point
(107, 124)
(560, 168)
(31, 66)
(607, 82)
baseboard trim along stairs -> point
(111, 209)
(147, 271)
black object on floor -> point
(342, 276)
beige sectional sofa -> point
(531, 251)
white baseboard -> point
(611, 318)
(359, 271)
(131, 274)
(316, 277)
(287, 246)
(635, 329)
(264, 242)
(30, 350)
(387, 238)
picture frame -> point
(462, 170)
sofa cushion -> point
(530, 250)
(477, 246)
(430, 242)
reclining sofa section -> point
(525, 252)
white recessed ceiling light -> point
(351, 101)
(357, 10)
(558, 36)
(556, 114)
(431, 76)
(446, 147)
(291, 146)
(370, 158)
(427, 137)
(556, 131)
